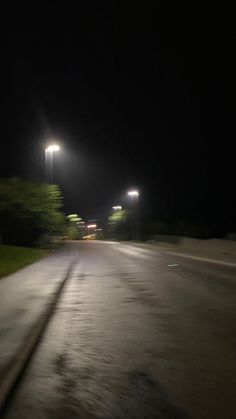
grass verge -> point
(13, 258)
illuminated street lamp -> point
(117, 208)
(49, 154)
(91, 226)
(134, 204)
(134, 196)
(133, 193)
(53, 148)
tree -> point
(29, 211)
(72, 230)
(118, 225)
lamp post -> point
(49, 155)
(134, 204)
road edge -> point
(31, 340)
(202, 259)
(166, 251)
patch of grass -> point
(13, 258)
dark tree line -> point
(30, 212)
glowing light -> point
(52, 148)
(117, 207)
(133, 193)
(92, 225)
(89, 237)
(74, 218)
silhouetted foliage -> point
(29, 212)
(118, 225)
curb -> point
(12, 372)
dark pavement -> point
(136, 334)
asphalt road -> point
(136, 334)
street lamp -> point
(133, 193)
(53, 147)
(117, 208)
(134, 204)
(49, 152)
(92, 226)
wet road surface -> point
(136, 334)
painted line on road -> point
(138, 251)
(13, 371)
(202, 259)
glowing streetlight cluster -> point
(52, 148)
(49, 157)
(133, 193)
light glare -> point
(53, 147)
(92, 225)
(133, 193)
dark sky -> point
(135, 96)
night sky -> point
(140, 97)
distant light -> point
(74, 218)
(92, 225)
(53, 147)
(98, 229)
(117, 207)
(89, 236)
(133, 193)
